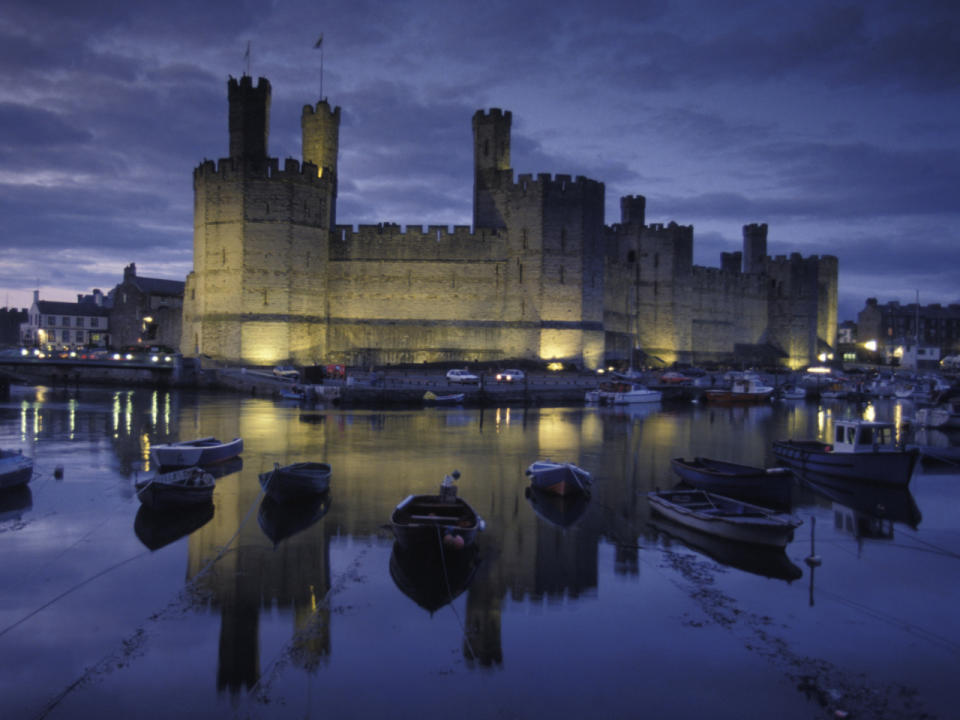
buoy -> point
(58, 472)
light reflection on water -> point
(275, 596)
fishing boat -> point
(186, 487)
(861, 450)
(203, 451)
(765, 486)
(294, 482)
(742, 390)
(431, 522)
(725, 517)
(637, 394)
(560, 478)
(15, 468)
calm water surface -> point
(595, 610)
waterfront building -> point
(897, 330)
(540, 275)
(66, 325)
(146, 311)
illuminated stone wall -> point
(539, 276)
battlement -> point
(797, 258)
(390, 241)
(546, 182)
(670, 230)
(493, 114)
(234, 169)
(723, 281)
(322, 106)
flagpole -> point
(319, 44)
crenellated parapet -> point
(229, 169)
(390, 241)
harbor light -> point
(555, 366)
(871, 345)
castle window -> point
(520, 265)
(656, 260)
(223, 255)
(523, 235)
(632, 256)
(264, 296)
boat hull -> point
(724, 517)
(430, 523)
(15, 469)
(207, 451)
(559, 478)
(893, 467)
(753, 484)
(183, 488)
(296, 481)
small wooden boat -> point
(187, 453)
(15, 468)
(431, 398)
(189, 486)
(767, 487)
(861, 450)
(294, 482)
(436, 522)
(561, 478)
(725, 517)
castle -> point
(539, 276)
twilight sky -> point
(836, 123)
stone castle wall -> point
(540, 275)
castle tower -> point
(249, 118)
(491, 167)
(754, 248)
(320, 128)
(633, 210)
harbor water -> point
(566, 609)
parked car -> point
(512, 375)
(462, 375)
(286, 371)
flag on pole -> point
(319, 42)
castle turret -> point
(320, 128)
(633, 210)
(249, 118)
(491, 163)
(754, 248)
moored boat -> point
(637, 394)
(189, 486)
(765, 486)
(292, 482)
(436, 522)
(203, 451)
(431, 398)
(15, 468)
(725, 517)
(743, 390)
(560, 478)
(861, 450)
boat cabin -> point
(861, 436)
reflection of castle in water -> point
(522, 555)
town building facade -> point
(146, 312)
(540, 275)
(920, 333)
(65, 325)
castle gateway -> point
(539, 276)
